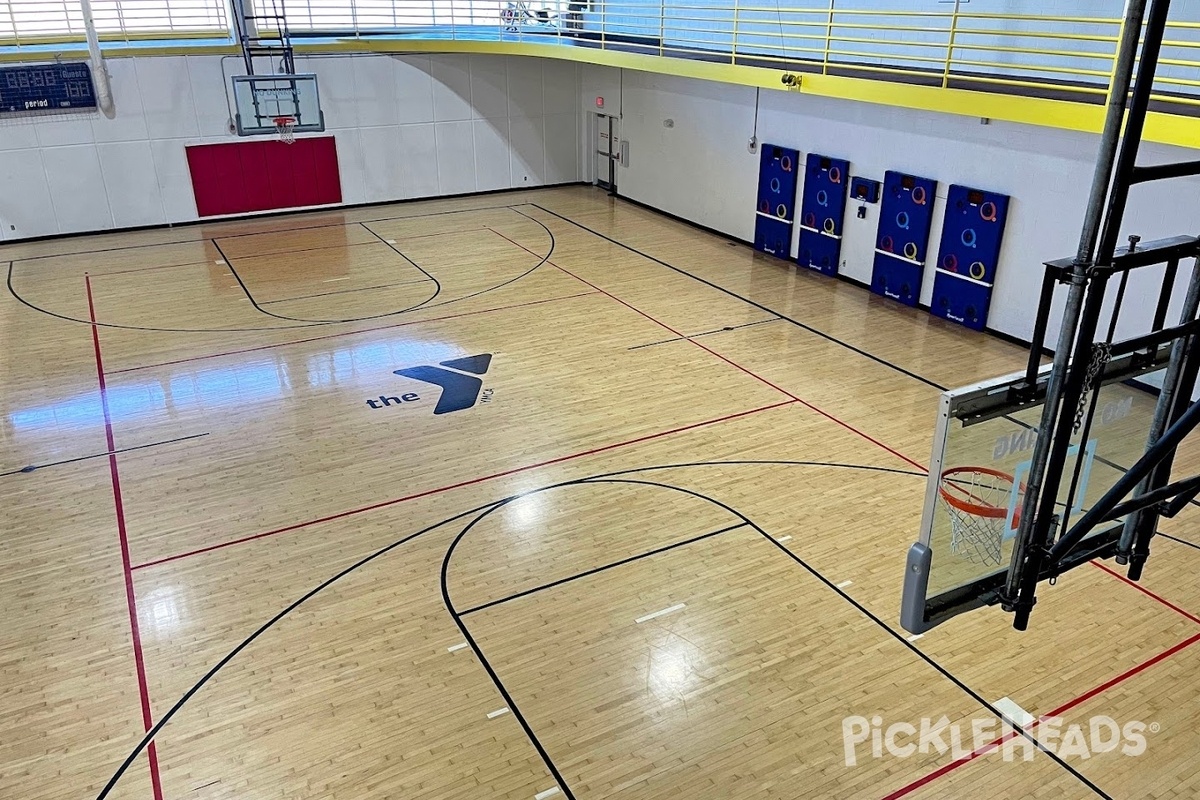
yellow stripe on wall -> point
(1164, 128)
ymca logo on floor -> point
(461, 389)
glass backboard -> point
(980, 465)
(261, 100)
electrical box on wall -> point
(864, 190)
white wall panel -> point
(375, 91)
(129, 122)
(20, 133)
(562, 148)
(414, 88)
(77, 188)
(335, 82)
(131, 183)
(57, 130)
(381, 110)
(527, 137)
(174, 180)
(25, 205)
(492, 168)
(489, 86)
(455, 157)
(209, 94)
(383, 160)
(167, 104)
(525, 87)
(560, 81)
(351, 166)
(451, 88)
(418, 144)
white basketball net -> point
(977, 502)
(287, 129)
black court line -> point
(266, 253)
(748, 301)
(884, 627)
(255, 218)
(178, 705)
(345, 291)
(34, 467)
(829, 337)
(66, 318)
(372, 243)
(589, 572)
(266, 626)
(250, 296)
(705, 333)
(1176, 539)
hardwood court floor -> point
(652, 547)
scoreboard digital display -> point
(46, 87)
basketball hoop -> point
(286, 126)
(977, 499)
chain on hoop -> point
(1101, 353)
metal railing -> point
(1067, 56)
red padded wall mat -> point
(260, 175)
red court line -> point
(346, 333)
(1145, 591)
(461, 484)
(119, 507)
(732, 363)
(994, 744)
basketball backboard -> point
(262, 100)
(981, 460)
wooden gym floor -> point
(656, 553)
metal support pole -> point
(1163, 448)
(1039, 329)
(1023, 552)
(1162, 413)
(1162, 473)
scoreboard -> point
(46, 87)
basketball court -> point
(520, 495)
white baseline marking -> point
(390, 241)
(915, 636)
(783, 539)
(1008, 707)
(662, 613)
(458, 646)
(220, 261)
(498, 712)
(332, 280)
(844, 584)
(548, 793)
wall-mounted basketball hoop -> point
(282, 105)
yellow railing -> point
(1063, 56)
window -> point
(382, 15)
(27, 21)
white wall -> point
(700, 169)
(411, 126)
